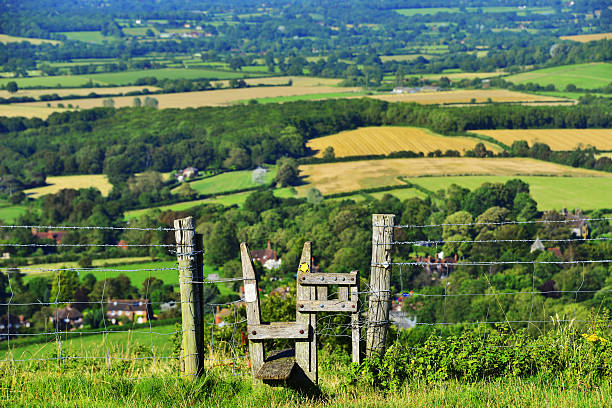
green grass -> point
(95, 345)
(587, 193)
(121, 78)
(10, 212)
(87, 36)
(308, 97)
(400, 193)
(117, 387)
(571, 95)
(235, 180)
(586, 76)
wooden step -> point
(279, 367)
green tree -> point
(238, 159)
(222, 244)
(288, 172)
(137, 103)
(329, 153)
(64, 286)
(314, 196)
(12, 87)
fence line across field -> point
(376, 295)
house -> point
(10, 323)
(6, 255)
(577, 221)
(67, 318)
(167, 306)
(186, 173)
(556, 251)
(267, 257)
(56, 236)
(122, 244)
(439, 265)
(221, 314)
(136, 310)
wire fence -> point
(66, 314)
(123, 316)
(511, 282)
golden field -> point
(466, 96)
(332, 178)
(384, 140)
(9, 39)
(557, 139)
(219, 97)
(35, 93)
(587, 37)
(57, 183)
(18, 109)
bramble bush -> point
(582, 356)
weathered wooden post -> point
(189, 255)
(251, 298)
(380, 283)
(306, 350)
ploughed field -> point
(384, 140)
(557, 139)
(465, 96)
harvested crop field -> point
(384, 140)
(35, 93)
(4, 39)
(557, 139)
(18, 109)
(587, 37)
(332, 178)
(204, 98)
(57, 183)
(466, 96)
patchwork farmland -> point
(384, 140)
(557, 139)
(332, 178)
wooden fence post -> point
(380, 283)
(306, 351)
(251, 297)
(189, 255)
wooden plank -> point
(380, 283)
(343, 293)
(355, 329)
(306, 350)
(253, 311)
(191, 306)
(279, 367)
(334, 305)
(278, 330)
(326, 278)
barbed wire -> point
(565, 221)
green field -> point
(586, 76)
(10, 212)
(400, 193)
(120, 344)
(87, 36)
(121, 78)
(500, 9)
(235, 180)
(587, 193)
(308, 97)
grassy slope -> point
(10, 212)
(102, 388)
(235, 180)
(587, 76)
(586, 193)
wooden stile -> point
(380, 283)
